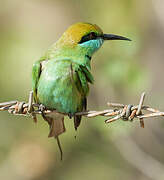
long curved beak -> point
(114, 37)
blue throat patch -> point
(92, 45)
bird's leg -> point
(70, 115)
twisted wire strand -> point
(118, 111)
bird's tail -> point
(77, 121)
(77, 118)
(56, 123)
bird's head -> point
(86, 37)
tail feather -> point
(77, 121)
(57, 127)
(60, 148)
(56, 123)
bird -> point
(61, 77)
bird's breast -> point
(57, 88)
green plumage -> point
(60, 79)
(61, 85)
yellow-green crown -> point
(74, 33)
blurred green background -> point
(122, 70)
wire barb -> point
(118, 111)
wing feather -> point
(83, 77)
(36, 72)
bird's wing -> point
(82, 77)
(87, 73)
(36, 72)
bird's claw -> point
(42, 107)
(70, 115)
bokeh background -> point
(122, 70)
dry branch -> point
(118, 111)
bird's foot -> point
(70, 115)
(42, 108)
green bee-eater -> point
(61, 78)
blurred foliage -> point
(121, 70)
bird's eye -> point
(92, 35)
(88, 37)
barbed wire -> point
(118, 111)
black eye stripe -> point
(88, 37)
